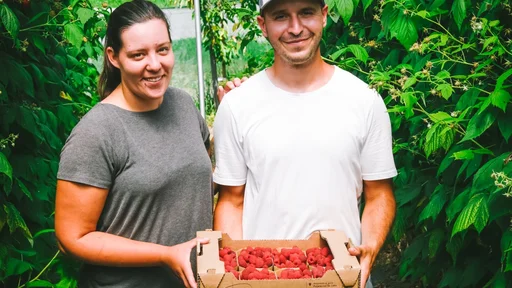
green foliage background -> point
(47, 82)
(443, 68)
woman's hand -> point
(177, 258)
(230, 85)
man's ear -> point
(325, 10)
(263, 27)
(112, 57)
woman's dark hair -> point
(124, 16)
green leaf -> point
(467, 99)
(40, 283)
(366, 4)
(435, 240)
(459, 12)
(84, 14)
(482, 180)
(405, 194)
(454, 246)
(409, 82)
(44, 231)
(17, 267)
(464, 155)
(74, 34)
(434, 206)
(450, 277)
(443, 75)
(489, 41)
(24, 189)
(17, 76)
(400, 224)
(500, 98)
(15, 221)
(505, 125)
(409, 100)
(476, 213)
(404, 30)
(3, 220)
(438, 136)
(6, 169)
(478, 124)
(440, 117)
(345, 9)
(446, 90)
(9, 20)
(422, 13)
(502, 78)
(456, 206)
(359, 52)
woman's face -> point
(145, 61)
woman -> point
(134, 180)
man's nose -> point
(295, 26)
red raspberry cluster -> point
(251, 273)
(260, 257)
(320, 257)
(302, 272)
(289, 258)
(228, 256)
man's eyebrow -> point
(282, 11)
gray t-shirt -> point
(158, 173)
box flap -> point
(208, 254)
(345, 264)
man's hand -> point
(366, 256)
(230, 85)
(177, 258)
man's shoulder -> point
(249, 90)
(351, 84)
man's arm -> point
(229, 209)
(378, 216)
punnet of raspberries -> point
(228, 256)
(320, 257)
(252, 273)
(260, 257)
(289, 257)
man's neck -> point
(300, 78)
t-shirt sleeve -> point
(230, 166)
(377, 161)
(87, 158)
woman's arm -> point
(77, 210)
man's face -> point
(294, 28)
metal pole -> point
(197, 12)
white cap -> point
(264, 3)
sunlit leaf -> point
(500, 98)
(9, 20)
(476, 213)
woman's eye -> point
(164, 49)
(137, 55)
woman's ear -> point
(112, 57)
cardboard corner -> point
(208, 262)
(346, 265)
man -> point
(298, 144)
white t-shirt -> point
(302, 156)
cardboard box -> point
(211, 273)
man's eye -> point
(279, 17)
